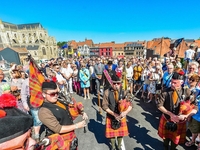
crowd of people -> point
(169, 82)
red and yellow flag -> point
(36, 79)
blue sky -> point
(107, 20)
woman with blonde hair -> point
(84, 76)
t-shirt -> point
(129, 72)
(67, 71)
(189, 53)
(137, 72)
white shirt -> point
(67, 72)
(129, 72)
(189, 53)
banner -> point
(36, 79)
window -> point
(51, 50)
(118, 53)
(35, 53)
(43, 51)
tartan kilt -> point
(61, 142)
(122, 131)
(178, 137)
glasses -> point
(52, 94)
(190, 79)
(192, 68)
(116, 83)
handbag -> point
(115, 124)
(171, 126)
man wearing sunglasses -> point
(172, 127)
(116, 125)
(57, 119)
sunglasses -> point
(52, 94)
(116, 83)
(192, 68)
(191, 80)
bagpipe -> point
(75, 108)
(185, 105)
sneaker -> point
(88, 97)
(148, 101)
(84, 97)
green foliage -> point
(60, 44)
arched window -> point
(43, 51)
(34, 34)
(35, 53)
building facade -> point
(118, 50)
(94, 51)
(135, 49)
(33, 37)
(84, 47)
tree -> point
(60, 44)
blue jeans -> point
(34, 113)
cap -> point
(49, 85)
(179, 75)
(115, 79)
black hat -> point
(178, 75)
(115, 79)
(49, 85)
(110, 62)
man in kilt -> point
(57, 119)
(116, 125)
(172, 126)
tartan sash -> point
(108, 77)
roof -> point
(161, 46)
(197, 42)
(29, 26)
(9, 25)
(118, 46)
(30, 47)
(86, 42)
(189, 40)
(18, 50)
(73, 44)
(109, 44)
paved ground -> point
(142, 123)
